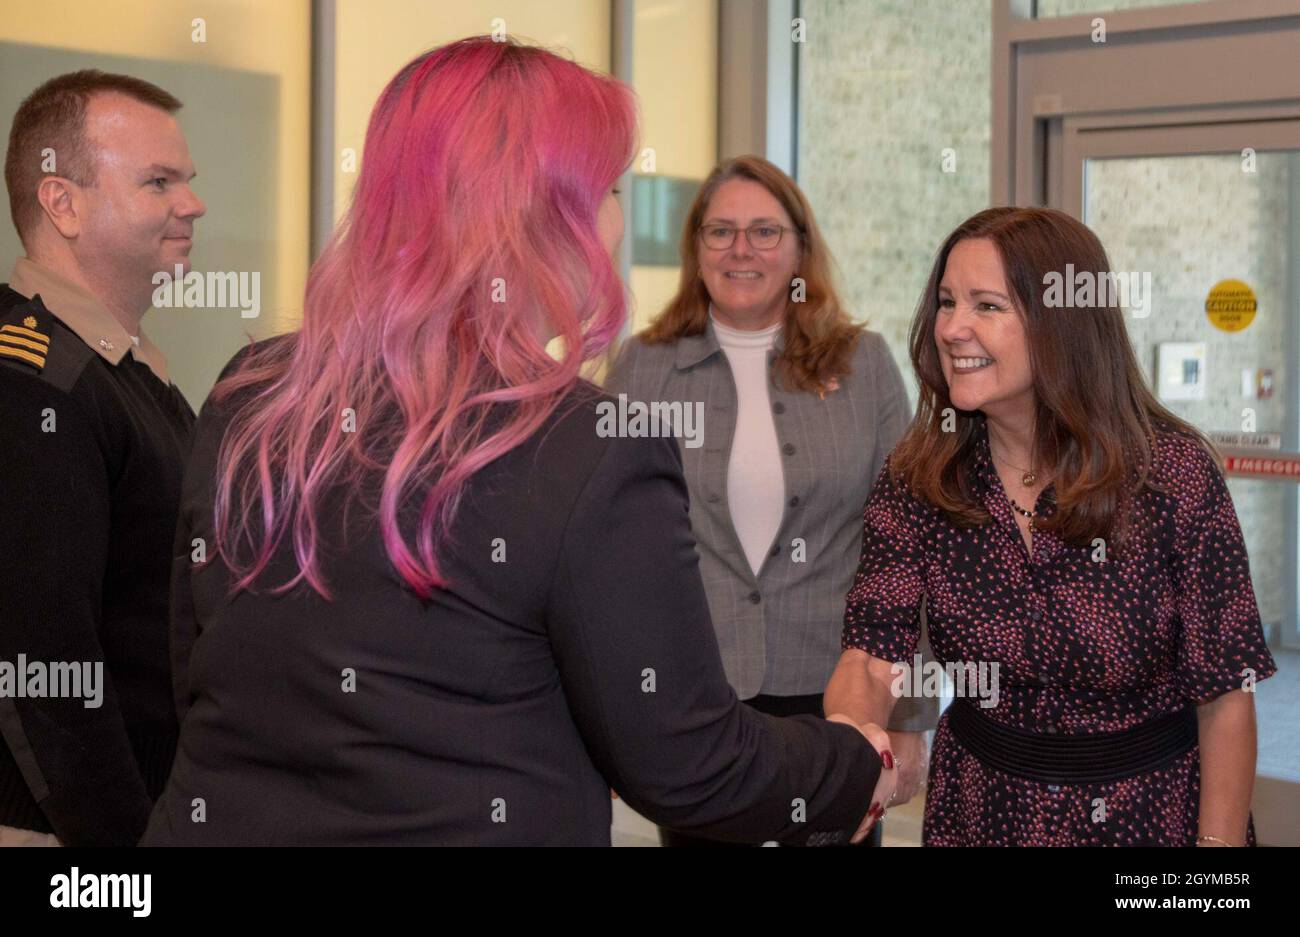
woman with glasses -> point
(800, 407)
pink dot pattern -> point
(1083, 645)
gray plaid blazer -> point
(779, 631)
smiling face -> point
(980, 335)
(139, 214)
(749, 287)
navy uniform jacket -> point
(91, 457)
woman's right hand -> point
(885, 784)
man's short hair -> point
(53, 117)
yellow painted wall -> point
(675, 74)
(254, 35)
(375, 38)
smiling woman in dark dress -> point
(1064, 525)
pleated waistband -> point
(1073, 759)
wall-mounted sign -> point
(659, 206)
(1180, 371)
(1281, 465)
(1227, 440)
(1257, 383)
(1231, 305)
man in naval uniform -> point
(93, 437)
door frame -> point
(1224, 54)
(1175, 132)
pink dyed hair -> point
(484, 168)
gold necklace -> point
(1027, 479)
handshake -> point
(900, 777)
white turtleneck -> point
(755, 479)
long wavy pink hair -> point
(484, 168)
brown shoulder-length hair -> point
(819, 335)
(1095, 419)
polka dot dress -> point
(1084, 642)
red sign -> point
(1275, 465)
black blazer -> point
(502, 710)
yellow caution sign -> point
(1231, 305)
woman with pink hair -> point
(419, 595)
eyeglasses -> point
(761, 237)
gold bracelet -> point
(1212, 839)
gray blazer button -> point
(788, 448)
(778, 407)
(755, 597)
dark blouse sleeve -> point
(882, 614)
(1221, 646)
(642, 674)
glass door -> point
(1208, 218)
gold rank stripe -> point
(15, 340)
(8, 352)
(19, 330)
